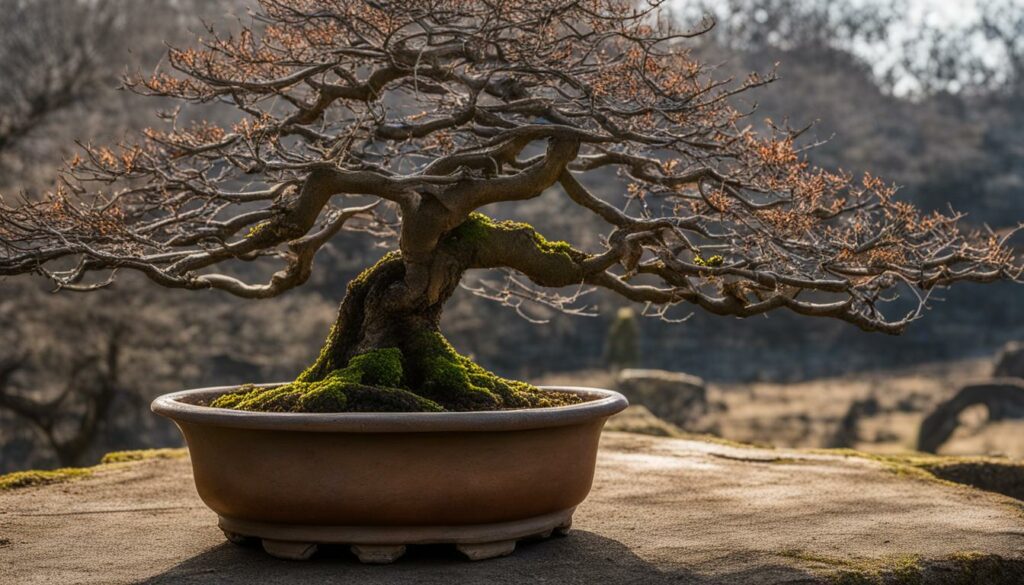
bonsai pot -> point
(380, 481)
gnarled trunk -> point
(380, 310)
(386, 350)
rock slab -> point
(662, 511)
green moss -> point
(893, 569)
(972, 568)
(391, 257)
(966, 568)
(257, 229)
(345, 390)
(142, 455)
(377, 368)
(712, 262)
(323, 364)
(477, 227)
(458, 383)
(981, 472)
(20, 479)
(430, 376)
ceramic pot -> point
(380, 481)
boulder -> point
(678, 398)
(1010, 362)
(638, 419)
(1003, 397)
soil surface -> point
(662, 510)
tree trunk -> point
(386, 352)
(380, 311)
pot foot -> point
(292, 551)
(487, 550)
(236, 538)
(378, 554)
(475, 541)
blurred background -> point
(926, 93)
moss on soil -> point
(370, 382)
(381, 381)
(457, 383)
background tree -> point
(509, 101)
(622, 346)
(60, 64)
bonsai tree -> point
(435, 109)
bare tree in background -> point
(503, 103)
(53, 54)
(61, 62)
(92, 381)
(68, 367)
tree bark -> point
(382, 310)
(391, 313)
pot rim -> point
(178, 407)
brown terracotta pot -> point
(379, 481)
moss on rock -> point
(142, 455)
(966, 568)
(20, 479)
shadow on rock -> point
(583, 557)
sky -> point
(932, 14)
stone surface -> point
(1010, 362)
(661, 511)
(680, 399)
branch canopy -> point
(440, 107)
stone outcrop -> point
(680, 399)
(1010, 362)
(1003, 397)
(639, 419)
